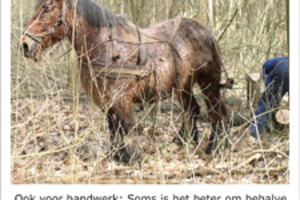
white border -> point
(290, 190)
(294, 95)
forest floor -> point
(51, 144)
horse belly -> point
(163, 79)
(105, 92)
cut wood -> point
(253, 77)
(253, 88)
(283, 116)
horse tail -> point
(217, 57)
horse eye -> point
(60, 22)
(46, 10)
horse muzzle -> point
(31, 48)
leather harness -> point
(124, 71)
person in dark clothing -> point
(275, 74)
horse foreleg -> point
(112, 125)
(120, 121)
(192, 111)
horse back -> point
(193, 42)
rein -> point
(33, 37)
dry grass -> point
(58, 136)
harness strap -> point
(63, 15)
(119, 71)
(63, 10)
(33, 37)
(140, 41)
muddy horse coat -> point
(149, 63)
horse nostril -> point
(26, 49)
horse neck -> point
(83, 36)
(96, 39)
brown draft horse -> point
(177, 53)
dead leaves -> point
(52, 144)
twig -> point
(271, 151)
(220, 36)
(254, 157)
(203, 171)
(71, 146)
(259, 170)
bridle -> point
(38, 37)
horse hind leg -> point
(191, 113)
(216, 111)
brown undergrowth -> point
(52, 145)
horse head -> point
(45, 28)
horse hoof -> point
(212, 147)
(127, 155)
(209, 149)
(177, 141)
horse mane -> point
(95, 14)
